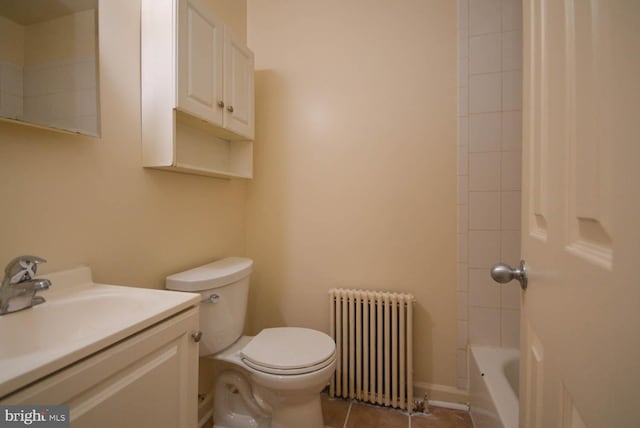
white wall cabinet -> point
(148, 380)
(197, 91)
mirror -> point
(49, 64)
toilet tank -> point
(224, 288)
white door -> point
(580, 322)
(200, 55)
(238, 87)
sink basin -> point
(78, 319)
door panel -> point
(580, 233)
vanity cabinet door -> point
(148, 380)
(200, 61)
(238, 87)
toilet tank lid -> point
(213, 275)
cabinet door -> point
(149, 380)
(238, 87)
(200, 55)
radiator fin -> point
(373, 331)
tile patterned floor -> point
(346, 414)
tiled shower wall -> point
(62, 94)
(11, 104)
(489, 165)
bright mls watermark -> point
(34, 416)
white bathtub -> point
(494, 375)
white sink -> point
(78, 319)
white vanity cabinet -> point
(197, 91)
(146, 380)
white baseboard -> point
(205, 410)
(442, 393)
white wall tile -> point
(463, 162)
(463, 33)
(88, 124)
(485, 53)
(510, 247)
(483, 291)
(461, 359)
(483, 248)
(463, 46)
(484, 171)
(84, 74)
(485, 93)
(463, 131)
(463, 14)
(462, 383)
(512, 130)
(463, 218)
(511, 170)
(490, 41)
(86, 102)
(484, 326)
(484, 16)
(463, 334)
(65, 105)
(511, 15)
(5, 78)
(512, 90)
(67, 122)
(462, 305)
(31, 81)
(11, 106)
(462, 276)
(510, 328)
(485, 132)
(510, 295)
(512, 50)
(61, 78)
(463, 101)
(38, 108)
(484, 210)
(510, 211)
(463, 72)
(462, 247)
(11, 79)
(463, 189)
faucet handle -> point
(22, 268)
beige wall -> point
(355, 163)
(79, 200)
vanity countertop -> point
(78, 319)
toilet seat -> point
(289, 351)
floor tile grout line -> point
(346, 419)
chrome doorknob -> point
(504, 273)
(230, 109)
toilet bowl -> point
(273, 379)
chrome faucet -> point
(19, 287)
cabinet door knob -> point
(230, 109)
(196, 336)
(221, 104)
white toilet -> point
(271, 380)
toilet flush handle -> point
(213, 298)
